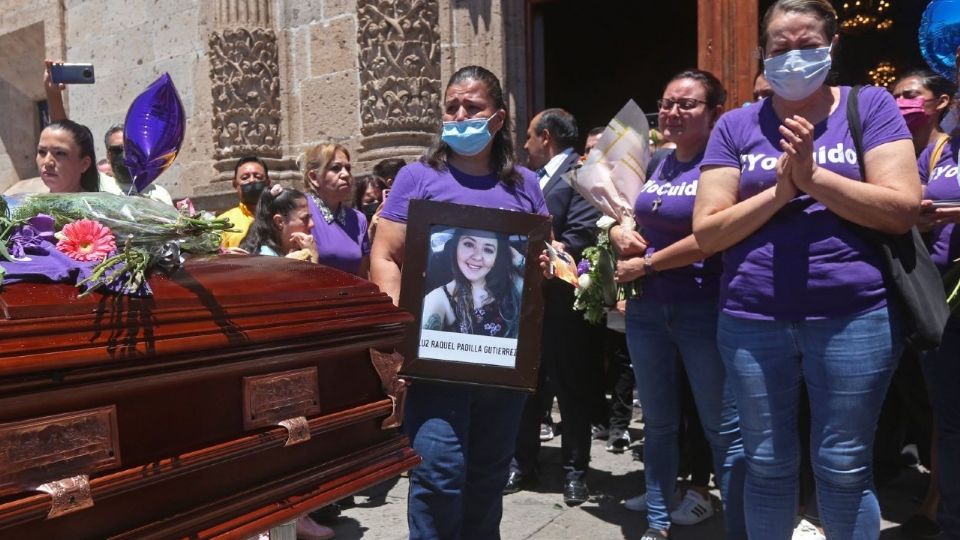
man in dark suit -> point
(565, 358)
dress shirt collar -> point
(553, 166)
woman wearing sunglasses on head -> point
(802, 296)
(675, 319)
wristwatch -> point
(648, 269)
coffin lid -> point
(209, 303)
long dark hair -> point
(360, 185)
(500, 283)
(503, 158)
(263, 232)
(83, 138)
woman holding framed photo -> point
(464, 433)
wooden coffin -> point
(239, 396)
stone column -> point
(728, 44)
(400, 90)
(245, 83)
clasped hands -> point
(796, 167)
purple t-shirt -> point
(942, 184)
(804, 263)
(341, 246)
(419, 181)
(664, 210)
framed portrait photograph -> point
(472, 280)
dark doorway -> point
(591, 57)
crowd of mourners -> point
(766, 349)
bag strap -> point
(856, 133)
(937, 152)
(856, 128)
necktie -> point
(541, 172)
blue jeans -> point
(847, 364)
(465, 436)
(941, 368)
(657, 334)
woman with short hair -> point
(340, 231)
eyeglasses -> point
(118, 149)
(686, 104)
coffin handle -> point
(67, 495)
(388, 366)
(298, 430)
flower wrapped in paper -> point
(99, 240)
(610, 179)
(614, 172)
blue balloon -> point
(939, 36)
(153, 132)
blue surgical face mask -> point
(796, 74)
(467, 137)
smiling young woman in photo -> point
(483, 297)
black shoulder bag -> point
(913, 281)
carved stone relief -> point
(399, 59)
(245, 78)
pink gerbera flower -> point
(86, 240)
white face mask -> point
(796, 74)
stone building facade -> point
(269, 77)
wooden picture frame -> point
(450, 248)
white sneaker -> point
(807, 531)
(693, 509)
(639, 503)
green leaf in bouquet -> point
(951, 284)
(606, 265)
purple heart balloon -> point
(153, 132)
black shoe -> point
(575, 492)
(517, 481)
(920, 527)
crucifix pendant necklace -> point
(656, 204)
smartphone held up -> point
(72, 74)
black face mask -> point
(120, 171)
(250, 193)
(370, 209)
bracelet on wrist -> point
(648, 269)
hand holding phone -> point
(946, 203)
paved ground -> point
(541, 515)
